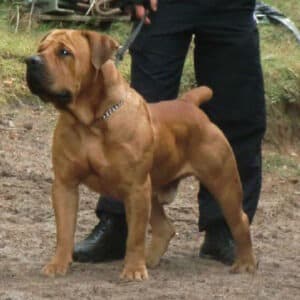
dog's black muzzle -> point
(39, 82)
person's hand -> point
(139, 7)
(141, 10)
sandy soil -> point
(27, 233)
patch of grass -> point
(283, 165)
(281, 56)
(188, 79)
(13, 50)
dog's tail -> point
(198, 95)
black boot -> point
(218, 244)
(107, 241)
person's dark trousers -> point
(227, 59)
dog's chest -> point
(103, 177)
(107, 167)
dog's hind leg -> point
(162, 233)
(216, 169)
(162, 228)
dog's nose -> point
(34, 60)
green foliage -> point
(13, 49)
(281, 56)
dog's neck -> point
(99, 105)
(113, 108)
(115, 93)
(83, 108)
(109, 95)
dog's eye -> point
(64, 52)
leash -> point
(121, 51)
(118, 58)
(264, 12)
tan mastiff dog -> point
(108, 138)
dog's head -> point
(66, 64)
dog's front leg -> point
(65, 204)
(137, 205)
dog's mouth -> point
(39, 87)
(39, 82)
(62, 99)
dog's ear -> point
(45, 36)
(102, 47)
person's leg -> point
(227, 59)
(157, 63)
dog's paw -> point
(244, 266)
(134, 273)
(152, 259)
(53, 269)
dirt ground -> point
(27, 233)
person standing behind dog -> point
(227, 59)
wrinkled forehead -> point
(69, 39)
